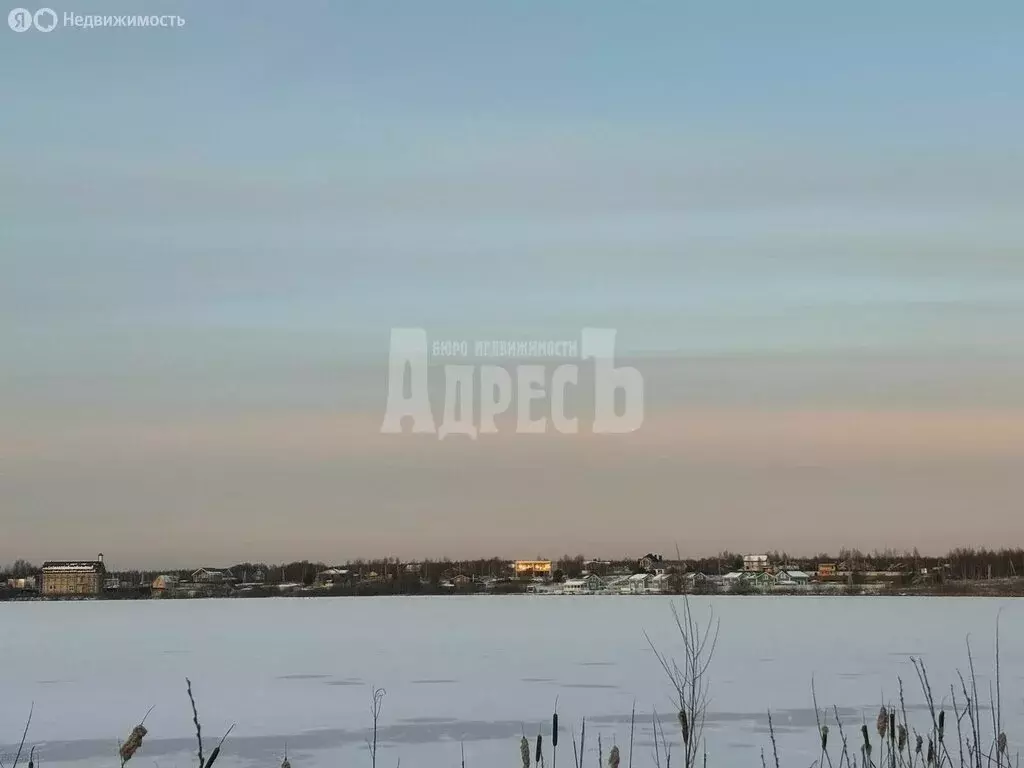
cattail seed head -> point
(684, 725)
(892, 725)
(540, 754)
(902, 736)
(613, 757)
(824, 738)
(524, 752)
(917, 746)
(132, 744)
(285, 763)
(1002, 743)
(942, 723)
(882, 722)
(931, 752)
(554, 730)
(867, 739)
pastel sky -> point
(805, 220)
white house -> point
(755, 563)
(594, 582)
(639, 583)
(734, 579)
(791, 578)
(331, 576)
(618, 584)
(208, 576)
(661, 583)
(574, 586)
(587, 585)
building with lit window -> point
(523, 568)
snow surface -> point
(478, 670)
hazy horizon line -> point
(668, 559)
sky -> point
(803, 220)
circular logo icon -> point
(45, 19)
(20, 19)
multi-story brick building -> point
(69, 578)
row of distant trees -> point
(959, 564)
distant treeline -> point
(384, 576)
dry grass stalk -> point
(375, 708)
(632, 728)
(24, 735)
(771, 731)
(195, 720)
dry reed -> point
(195, 720)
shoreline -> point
(1003, 589)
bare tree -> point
(375, 708)
(688, 675)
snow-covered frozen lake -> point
(471, 670)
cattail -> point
(931, 752)
(824, 738)
(133, 743)
(684, 724)
(554, 730)
(1002, 743)
(212, 758)
(31, 757)
(902, 736)
(524, 752)
(285, 763)
(867, 739)
(216, 750)
(882, 722)
(892, 725)
(613, 758)
(537, 758)
(942, 723)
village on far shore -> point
(962, 571)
